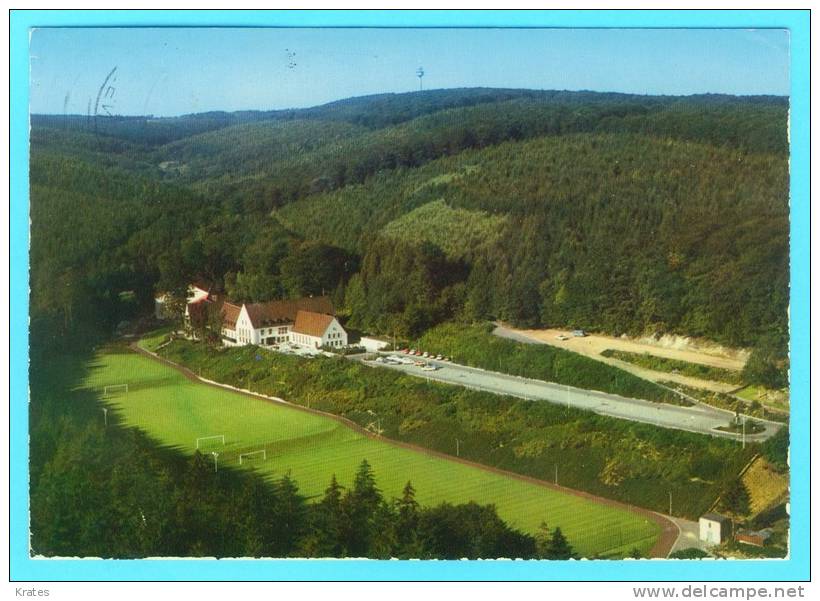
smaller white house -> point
(373, 344)
(315, 330)
(197, 293)
(714, 528)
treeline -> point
(373, 111)
(354, 159)
(108, 491)
(618, 459)
(372, 134)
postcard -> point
(303, 290)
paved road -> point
(698, 418)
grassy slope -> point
(766, 486)
(176, 411)
(476, 346)
(635, 463)
(695, 370)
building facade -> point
(308, 322)
(714, 528)
(316, 330)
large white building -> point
(307, 322)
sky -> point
(175, 71)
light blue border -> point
(796, 568)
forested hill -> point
(611, 212)
(374, 111)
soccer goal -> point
(245, 456)
(115, 388)
(201, 439)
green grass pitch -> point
(175, 412)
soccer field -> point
(176, 412)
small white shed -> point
(714, 528)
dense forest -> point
(609, 212)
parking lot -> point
(699, 418)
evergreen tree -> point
(559, 547)
(291, 516)
(360, 506)
(735, 498)
(407, 522)
(542, 539)
(327, 524)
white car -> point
(429, 368)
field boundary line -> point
(667, 537)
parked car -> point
(579, 333)
(429, 368)
(562, 337)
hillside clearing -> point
(592, 345)
(458, 232)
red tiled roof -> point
(285, 311)
(201, 284)
(230, 313)
(312, 324)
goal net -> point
(209, 441)
(115, 388)
(263, 455)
